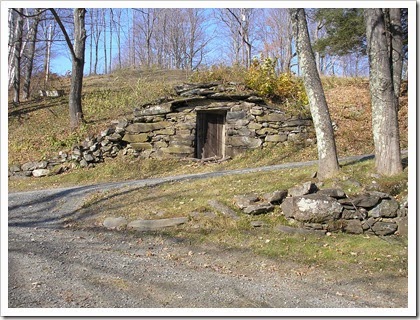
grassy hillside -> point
(38, 129)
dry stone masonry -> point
(204, 121)
(331, 210)
(211, 120)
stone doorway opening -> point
(210, 134)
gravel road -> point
(54, 264)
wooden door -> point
(210, 131)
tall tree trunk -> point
(384, 111)
(396, 50)
(17, 55)
(30, 55)
(327, 154)
(77, 51)
(75, 99)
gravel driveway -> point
(54, 264)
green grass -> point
(344, 252)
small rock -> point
(220, 207)
(275, 196)
(368, 201)
(243, 201)
(353, 226)
(14, 168)
(115, 223)
(383, 228)
(305, 188)
(40, 172)
(88, 157)
(258, 208)
(333, 193)
(359, 214)
(29, 166)
(83, 163)
(385, 209)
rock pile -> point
(91, 151)
(331, 210)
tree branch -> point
(30, 15)
(63, 29)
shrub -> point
(285, 88)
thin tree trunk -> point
(91, 42)
(327, 154)
(384, 111)
(111, 18)
(105, 54)
(47, 55)
(11, 53)
(30, 56)
(17, 55)
(119, 38)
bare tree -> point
(17, 46)
(119, 12)
(240, 24)
(111, 21)
(384, 109)
(103, 22)
(77, 51)
(32, 38)
(277, 35)
(146, 26)
(327, 154)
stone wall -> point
(331, 210)
(168, 128)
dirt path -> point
(54, 265)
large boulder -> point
(313, 208)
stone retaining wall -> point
(169, 129)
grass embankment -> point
(38, 129)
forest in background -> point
(191, 38)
